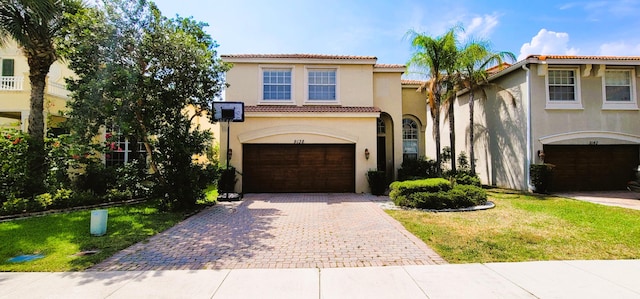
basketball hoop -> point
(228, 112)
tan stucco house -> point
(580, 113)
(318, 123)
(15, 90)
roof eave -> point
(295, 60)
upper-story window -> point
(276, 84)
(7, 80)
(8, 67)
(619, 89)
(563, 89)
(322, 84)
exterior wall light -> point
(229, 154)
(541, 156)
(366, 153)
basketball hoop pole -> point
(228, 142)
(228, 112)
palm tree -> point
(452, 84)
(34, 25)
(474, 59)
(437, 57)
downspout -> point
(527, 163)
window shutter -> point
(7, 67)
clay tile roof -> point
(298, 56)
(545, 57)
(494, 69)
(412, 82)
(392, 66)
(312, 109)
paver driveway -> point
(280, 231)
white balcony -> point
(11, 83)
(58, 89)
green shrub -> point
(17, 206)
(421, 168)
(62, 198)
(541, 176)
(44, 201)
(117, 195)
(464, 196)
(131, 178)
(13, 164)
(227, 180)
(96, 178)
(466, 178)
(429, 200)
(377, 181)
(436, 194)
(401, 190)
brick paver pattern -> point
(280, 231)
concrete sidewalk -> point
(623, 198)
(554, 279)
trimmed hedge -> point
(436, 194)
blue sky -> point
(378, 28)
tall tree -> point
(143, 72)
(437, 57)
(474, 59)
(35, 25)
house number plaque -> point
(298, 141)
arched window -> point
(381, 129)
(409, 139)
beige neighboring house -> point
(15, 91)
(318, 123)
(579, 113)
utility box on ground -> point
(98, 222)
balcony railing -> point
(11, 83)
(58, 89)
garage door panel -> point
(298, 168)
(587, 168)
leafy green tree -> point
(35, 25)
(474, 59)
(143, 72)
(437, 56)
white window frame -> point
(264, 68)
(120, 144)
(618, 105)
(417, 139)
(577, 102)
(308, 69)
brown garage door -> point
(588, 168)
(298, 168)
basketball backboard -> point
(228, 111)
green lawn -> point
(60, 236)
(527, 228)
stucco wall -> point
(354, 83)
(312, 129)
(500, 131)
(414, 104)
(590, 125)
(387, 96)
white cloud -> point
(547, 42)
(481, 26)
(620, 48)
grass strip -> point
(60, 237)
(525, 227)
